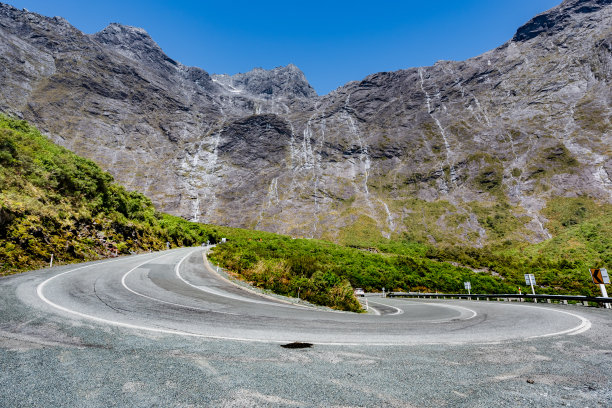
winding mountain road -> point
(175, 293)
(174, 299)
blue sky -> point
(333, 42)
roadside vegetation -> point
(54, 202)
(582, 239)
(325, 273)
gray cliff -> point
(446, 153)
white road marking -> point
(473, 312)
(584, 325)
(39, 292)
(376, 312)
(223, 293)
(398, 310)
(124, 277)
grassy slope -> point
(54, 202)
(582, 239)
(286, 265)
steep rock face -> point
(463, 151)
(133, 42)
(558, 19)
(281, 81)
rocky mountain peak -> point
(558, 18)
(37, 29)
(281, 81)
(132, 42)
(116, 33)
(460, 152)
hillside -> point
(461, 152)
(55, 202)
(582, 239)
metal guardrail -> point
(508, 296)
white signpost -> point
(530, 280)
(468, 287)
(601, 278)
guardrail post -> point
(564, 302)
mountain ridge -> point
(462, 151)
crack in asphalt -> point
(120, 311)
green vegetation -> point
(592, 116)
(54, 202)
(582, 239)
(499, 221)
(553, 160)
(324, 272)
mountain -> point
(467, 152)
(54, 203)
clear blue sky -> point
(333, 42)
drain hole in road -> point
(297, 345)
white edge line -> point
(124, 277)
(474, 313)
(398, 312)
(39, 292)
(376, 312)
(584, 326)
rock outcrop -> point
(463, 151)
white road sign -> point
(605, 276)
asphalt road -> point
(162, 329)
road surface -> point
(163, 329)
